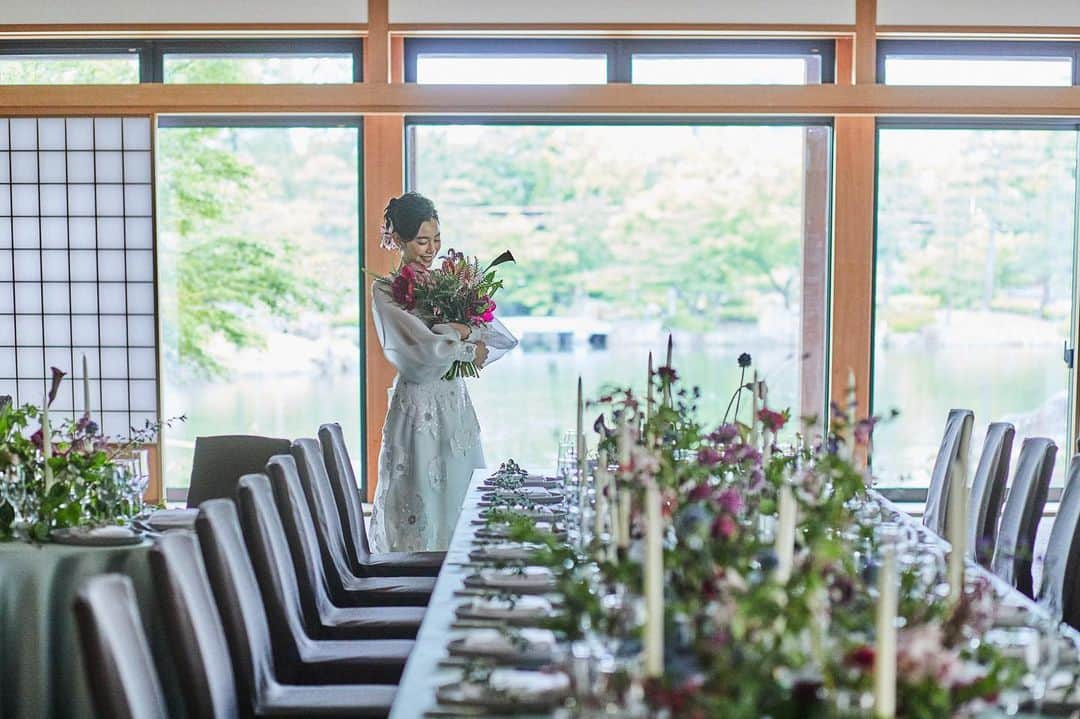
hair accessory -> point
(387, 232)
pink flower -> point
(723, 527)
(700, 492)
(724, 434)
(709, 456)
(730, 501)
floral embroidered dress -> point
(431, 439)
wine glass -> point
(1022, 643)
(567, 454)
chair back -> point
(221, 460)
(1060, 590)
(320, 498)
(988, 491)
(343, 482)
(268, 549)
(196, 635)
(1015, 546)
(119, 665)
(236, 592)
(951, 460)
(303, 542)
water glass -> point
(1024, 643)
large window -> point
(259, 291)
(660, 62)
(51, 63)
(974, 286)
(623, 233)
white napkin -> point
(497, 608)
(524, 578)
(525, 684)
(163, 519)
(493, 640)
(111, 532)
(510, 550)
(530, 492)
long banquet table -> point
(427, 668)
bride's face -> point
(425, 248)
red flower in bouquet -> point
(403, 288)
(459, 290)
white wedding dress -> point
(431, 439)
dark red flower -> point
(773, 421)
(723, 527)
(667, 373)
(861, 658)
(700, 492)
(403, 288)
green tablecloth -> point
(41, 670)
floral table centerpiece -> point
(67, 476)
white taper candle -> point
(654, 583)
(885, 649)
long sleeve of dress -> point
(498, 339)
(418, 353)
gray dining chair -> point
(226, 668)
(988, 491)
(951, 461)
(1013, 553)
(363, 561)
(123, 680)
(1060, 587)
(280, 581)
(331, 589)
(221, 460)
(298, 659)
(320, 499)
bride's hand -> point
(481, 354)
(463, 330)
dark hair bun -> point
(405, 214)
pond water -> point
(526, 400)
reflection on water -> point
(526, 400)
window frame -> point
(620, 53)
(139, 48)
(976, 49)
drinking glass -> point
(568, 454)
(1023, 643)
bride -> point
(431, 439)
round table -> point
(41, 669)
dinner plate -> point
(95, 536)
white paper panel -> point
(28, 330)
(5, 167)
(24, 166)
(190, 11)
(54, 267)
(57, 297)
(1055, 13)
(72, 283)
(81, 232)
(26, 231)
(623, 11)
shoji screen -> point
(77, 264)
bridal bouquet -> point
(458, 290)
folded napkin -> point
(523, 578)
(508, 550)
(164, 519)
(495, 641)
(498, 608)
(523, 684)
(111, 532)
